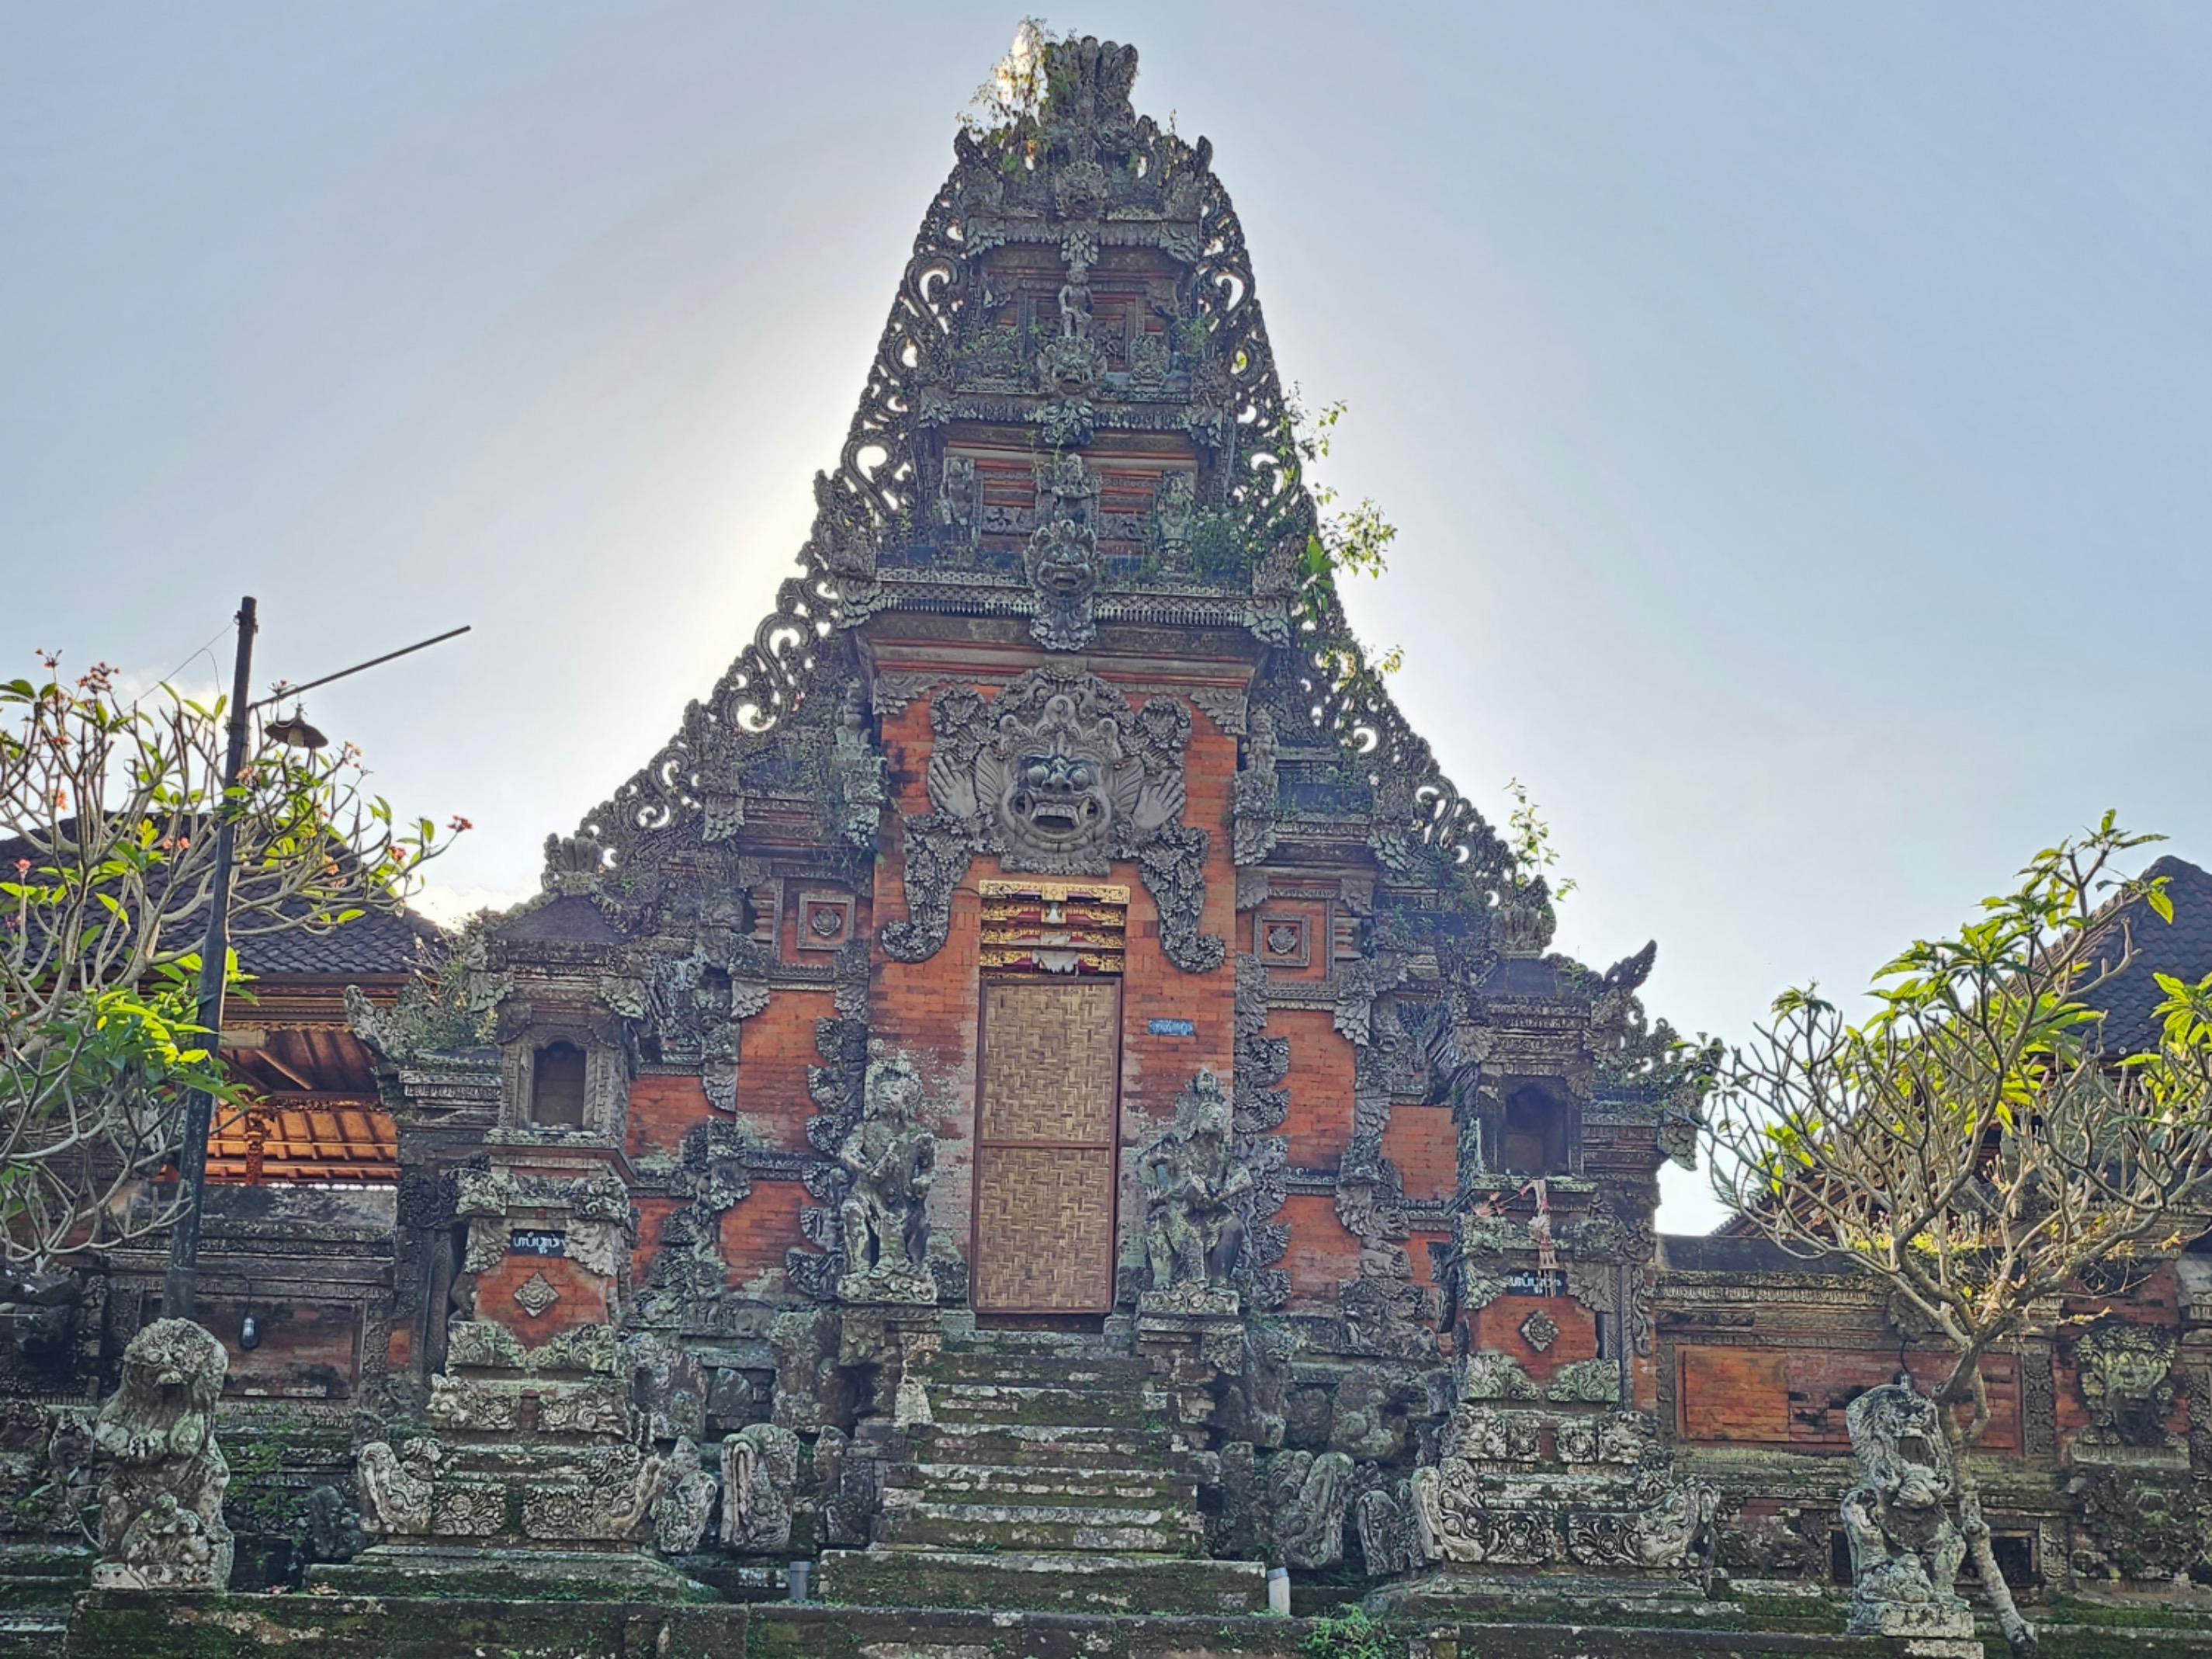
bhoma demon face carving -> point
(1066, 777)
(1058, 776)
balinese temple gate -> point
(1042, 1094)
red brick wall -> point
(1497, 1325)
(756, 1232)
(775, 1048)
(583, 1297)
(661, 1110)
(1796, 1397)
(1320, 1251)
(1733, 1394)
(306, 1351)
(1320, 1085)
(1420, 1141)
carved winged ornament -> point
(1059, 776)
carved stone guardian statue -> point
(2126, 1374)
(884, 1216)
(686, 1501)
(1192, 1233)
(760, 1479)
(162, 1477)
(1904, 1549)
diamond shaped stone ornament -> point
(535, 1295)
(1537, 1330)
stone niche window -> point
(1533, 1132)
(558, 1071)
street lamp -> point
(179, 1283)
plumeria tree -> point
(108, 806)
(1976, 1143)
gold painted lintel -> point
(1054, 892)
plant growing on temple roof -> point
(1019, 82)
(1353, 542)
(1529, 839)
(1975, 1142)
(108, 807)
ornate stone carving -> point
(689, 1272)
(1540, 1330)
(858, 780)
(1389, 1529)
(1260, 1106)
(1057, 776)
(1369, 1423)
(162, 1477)
(331, 1529)
(884, 1216)
(594, 1209)
(1252, 832)
(397, 1489)
(535, 1295)
(1606, 1499)
(45, 1474)
(1595, 1381)
(811, 1393)
(1307, 1496)
(611, 1502)
(2138, 1524)
(2126, 1376)
(760, 1479)
(1192, 1233)
(1489, 1375)
(1062, 560)
(686, 1502)
(1905, 1550)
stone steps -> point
(32, 1635)
(1062, 1445)
(895, 1577)
(1107, 1486)
(1037, 1527)
(1048, 1479)
(1105, 1373)
(1045, 1402)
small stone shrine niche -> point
(556, 1086)
(564, 1078)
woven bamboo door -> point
(1045, 1145)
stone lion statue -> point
(162, 1477)
(1904, 1549)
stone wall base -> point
(141, 1625)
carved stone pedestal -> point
(1194, 1340)
(1936, 1630)
(533, 1470)
(896, 1340)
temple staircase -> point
(1048, 1479)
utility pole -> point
(180, 1283)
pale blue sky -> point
(1796, 415)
